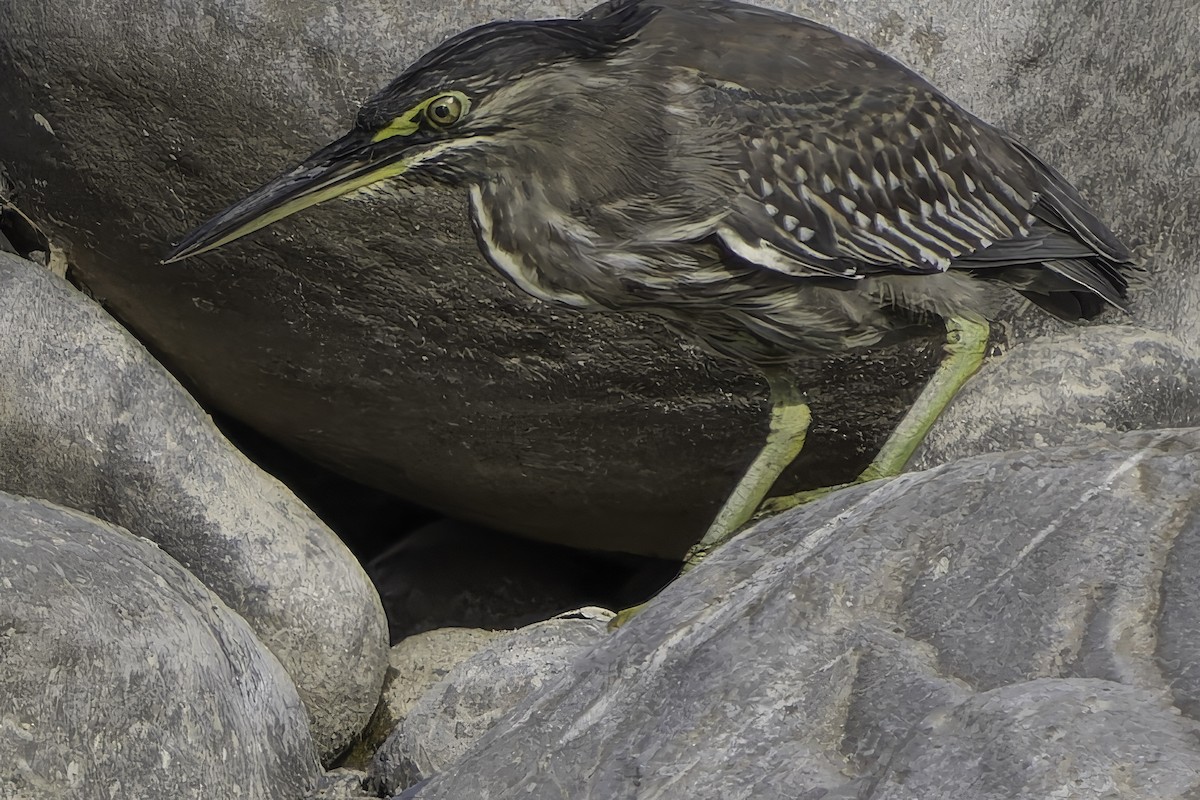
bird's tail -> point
(1099, 278)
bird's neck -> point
(547, 253)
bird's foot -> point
(774, 505)
(623, 616)
(698, 552)
(695, 554)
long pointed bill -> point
(350, 163)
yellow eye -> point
(444, 111)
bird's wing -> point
(843, 162)
(850, 184)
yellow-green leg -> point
(790, 418)
(785, 439)
(966, 344)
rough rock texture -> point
(451, 717)
(1067, 387)
(414, 665)
(421, 661)
(465, 395)
(1073, 737)
(920, 637)
(90, 421)
(341, 784)
(121, 675)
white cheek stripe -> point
(511, 264)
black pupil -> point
(442, 111)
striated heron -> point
(766, 185)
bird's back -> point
(845, 164)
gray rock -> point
(452, 716)
(90, 421)
(849, 647)
(414, 665)
(1065, 389)
(341, 784)
(1050, 738)
(423, 660)
(121, 675)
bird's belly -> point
(763, 320)
(776, 337)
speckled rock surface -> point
(341, 784)
(457, 711)
(121, 675)
(415, 664)
(919, 637)
(90, 421)
(1067, 387)
(1074, 737)
(130, 120)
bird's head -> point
(458, 111)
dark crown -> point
(495, 53)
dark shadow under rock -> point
(453, 574)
